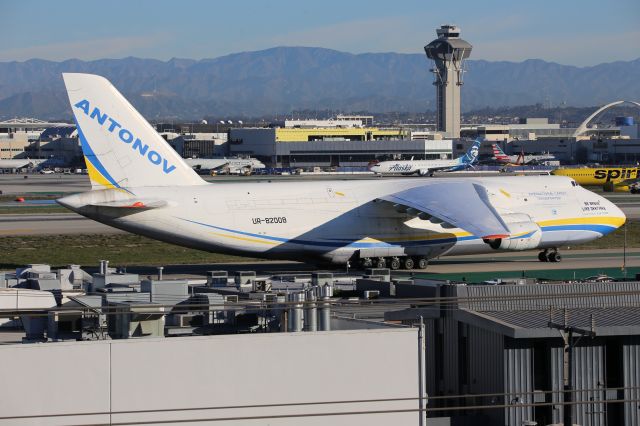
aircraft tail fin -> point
(498, 153)
(471, 156)
(120, 147)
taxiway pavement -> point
(51, 224)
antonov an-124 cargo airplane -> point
(141, 185)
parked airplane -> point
(520, 159)
(611, 179)
(229, 165)
(141, 185)
(20, 163)
(427, 167)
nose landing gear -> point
(549, 255)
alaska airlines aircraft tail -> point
(471, 156)
(120, 147)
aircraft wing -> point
(438, 168)
(443, 168)
(462, 204)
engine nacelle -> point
(424, 172)
(525, 236)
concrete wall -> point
(193, 374)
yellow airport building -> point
(338, 134)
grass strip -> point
(87, 250)
(53, 208)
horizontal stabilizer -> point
(89, 204)
(132, 204)
(462, 204)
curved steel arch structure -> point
(583, 126)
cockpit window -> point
(574, 183)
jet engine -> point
(525, 234)
(611, 187)
(425, 172)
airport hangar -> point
(32, 138)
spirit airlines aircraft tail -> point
(428, 167)
(120, 147)
(139, 184)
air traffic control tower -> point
(448, 52)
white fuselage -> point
(233, 165)
(331, 220)
(411, 166)
(528, 158)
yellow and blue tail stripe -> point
(97, 172)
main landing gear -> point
(549, 255)
(395, 263)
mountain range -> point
(284, 79)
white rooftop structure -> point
(338, 122)
(29, 123)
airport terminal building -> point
(332, 147)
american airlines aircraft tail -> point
(120, 147)
(499, 154)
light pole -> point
(567, 333)
(624, 252)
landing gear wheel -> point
(381, 263)
(409, 263)
(395, 263)
(554, 256)
(366, 262)
(422, 263)
(542, 256)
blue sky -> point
(575, 32)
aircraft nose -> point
(616, 217)
(616, 212)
